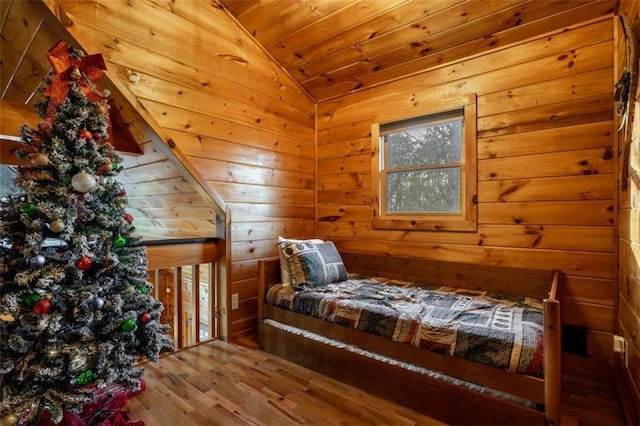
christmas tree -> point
(75, 310)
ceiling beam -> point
(14, 115)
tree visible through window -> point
(422, 165)
(424, 171)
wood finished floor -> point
(228, 384)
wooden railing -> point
(183, 273)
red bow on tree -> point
(84, 71)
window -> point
(424, 171)
(7, 175)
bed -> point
(455, 390)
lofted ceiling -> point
(180, 207)
(26, 36)
(330, 47)
(334, 47)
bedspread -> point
(494, 329)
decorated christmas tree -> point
(75, 310)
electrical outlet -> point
(235, 301)
(620, 346)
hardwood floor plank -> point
(228, 384)
(143, 414)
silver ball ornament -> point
(6, 367)
(84, 182)
(78, 362)
(98, 303)
(57, 226)
(36, 261)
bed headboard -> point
(529, 282)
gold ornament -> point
(41, 175)
(106, 167)
(102, 109)
(57, 226)
(10, 420)
(40, 159)
(75, 74)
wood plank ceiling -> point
(26, 36)
(164, 199)
(334, 47)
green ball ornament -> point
(128, 325)
(119, 241)
(28, 208)
(143, 289)
(31, 299)
(36, 261)
(84, 377)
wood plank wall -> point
(246, 127)
(545, 167)
(163, 203)
(155, 187)
(628, 315)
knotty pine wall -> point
(545, 167)
(240, 121)
(545, 147)
(628, 315)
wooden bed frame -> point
(438, 399)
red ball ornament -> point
(145, 317)
(85, 134)
(129, 218)
(97, 136)
(83, 263)
(16, 246)
(42, 306)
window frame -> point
(467, 219)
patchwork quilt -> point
(494, 329)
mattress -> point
(498, 330)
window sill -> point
(456, 225)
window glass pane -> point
(7, 174)
(424, 191)
(438, 143)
